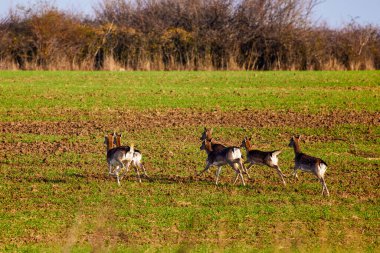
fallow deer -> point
(137, 156)
(228, 155)
(118, 155)
(268, 158)
(216, 146)
(308, 163)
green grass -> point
(38, 93)
(55, 194)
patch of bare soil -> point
(48, 148)
(155, 120)
(130, 120)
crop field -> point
(56, 194)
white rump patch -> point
(274, 159)
(236, 154)
(322, 169)
(137, 157)
(128, 156)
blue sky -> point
(334, 12)
(338, 12)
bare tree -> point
(185, 34)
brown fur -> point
(207, 135)
(108, 140)
(268, 158)
(223, 157)
(308, 163)
(118, 139)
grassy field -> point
(55, 194)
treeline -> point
(185, 35)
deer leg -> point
(250, 165)
(294, 174)
(126, 169)
(241, 172)
(117, 178)
(245, 170)
(236, 178)
(137, 172)
(113, 173)
(127, 166)
(324, 186)
(109, 169)
(218, 171)
(323, 183)
(238, 172)
(143, 168)
(117, 170)
(280, 174)
(205, 169)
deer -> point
(117, 156)
(111, 141)
(207, 135)
(216, 146)
(137, 156)
(308, 163)
(266, 158)
(228, 155)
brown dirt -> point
(47, 147)
(155, 120)
(173, 118)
